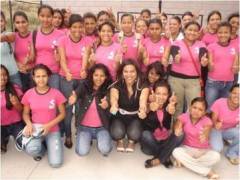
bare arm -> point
(9, 37)
(114, 97)
(178, 128)
(27, 119)
(165, 56)
(210, 64)
(235, 67)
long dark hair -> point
(61, 14)
(158, 67)
(19, 13)
(9, 89)
(107, 81)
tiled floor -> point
(117, 166)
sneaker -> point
(120, 146)
(130, 146)
(151, 163)
(68, 143)
(233, 161)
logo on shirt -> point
(52, 104)
(83, 51)
(232, 51)
(196, 50)
(135, 43)
(161, 49)
(110, 55)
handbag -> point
(199, 73)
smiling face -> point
(186, 19)
(192, 32)
(197, 110)
(99, 78)
(40, 78)
(162, 95)
(235, 24)
(141, 27)
(153, 76)
(90, 25)
(129, 74)
(234, 96)
(57, 20)
(4, 78)
(76, 30)
(214, 21)
(21, 24)
(45, 17)
(174, 26)
(224, 34)
(106, 33)
(103, 18)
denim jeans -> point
(54, 148)
(15, 79)
(217, 137)
(54, 81)
(85, 136)
(216, 89)
(66, 87)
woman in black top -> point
(93, 114)
(128, 98)
(157, 139)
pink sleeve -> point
(60, 99)
(209, 122)
(115, 38)
(215, 107)
(182, 118)
(25, 100)
(210, 48)
(18, 90)
(61, 42)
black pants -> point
(126, 126)
(160, 149)
(27, 81)
(8, 130)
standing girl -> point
(195, 154)
(141, 27)
(45, 43)
(11, 109)
(185, 70)
(7, 56)
(41, 105)
(223, 63)
(210, 34)
(128, 99)
(73, 60)
(93, 117)
(108, 52)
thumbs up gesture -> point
(204, 60)
(173, 99)
(203, 135)
(13, 99)
(104, 103)
(92, 57)
(171, 107)
(73, 98)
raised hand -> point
(203, 135)
(153, 106)
(68, 76)
(73, 98)
(104, 103)
(218, 124)
(152, 96)
(13, 99)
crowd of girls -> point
(133, 82)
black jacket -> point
(85, 96)
(152, 122)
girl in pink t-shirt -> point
(210, 34)
(11, 108)
(233, 19)
(45, 43)
(58, 21)
(141, 27)
(73, 60)
(129, 40)
(157, 140)
(108, 52)
(93, 117)
(43, 110)
(90, 27)
(223, 63)
(225, 115)
(23, 47)
(186, 66)
(195, 154)
(155, 44)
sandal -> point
(233, 161)
(120, 146)
(212, 175)
(152, 163)
(68, 143)
(130, 146)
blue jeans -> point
(66, 87)
(85, 136)
(54, 81)
(217, 137)
(15, 79)
(54, 148)
(216, 89)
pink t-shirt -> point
(186, 66)
(192, 131)
(132, 46)
(12, 116)
(228, 117)
(45, 46)
(160, 134)
(106, 55)
(91, 118)
(43, 106)
(90, 39)
(223, 59)
(74, 52)
(236, 43)
(209, 38)
(22, 47)
(155, 50)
